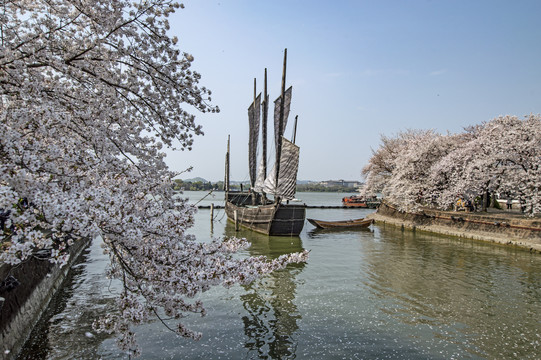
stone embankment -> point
(25, 292)
(495, 226)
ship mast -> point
(295, 129)
(252, 180)
(280, 124)
(264, 132)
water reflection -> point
(272, 315)
(38, 345)
(370, 294)
(65, 329)
(322, 233)
(463, 292)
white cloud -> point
(380, 72)
(438, 72)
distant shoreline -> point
(322, 191)
(302, 186)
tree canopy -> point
(501, 156)
(91, 92)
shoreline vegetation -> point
(422, 168)
(457, 184)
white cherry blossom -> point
(423, 168)
(91, 91)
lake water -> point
(376, 293)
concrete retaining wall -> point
(503, 228)
(38, 281)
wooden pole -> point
(253, 116)
(264, 133)
(280, 124)
(236, 216)
(295, 129)
(211, 219)
(226, 180)
(255, 91)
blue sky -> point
(358, 69)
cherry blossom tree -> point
(400, 167)
(507, 158)
(422, 168)
(452, 176)
(465, 173)
(516, 147)
(499, 156)
(382, 164)
(91, 92)
(408, 187)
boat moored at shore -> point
(341, 224)
(360, 201)
(252, 209)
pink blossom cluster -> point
(423, 168)
(90, 94)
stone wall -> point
(501, 227)
(27, 290)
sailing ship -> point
(253, 209)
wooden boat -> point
(356, 223)
(271, 219)
(359, 201)
(354, 201)
(253, 210)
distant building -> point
(344, 183)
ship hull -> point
(271, 219)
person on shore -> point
(477, 202)
(469, 205)
(459, 204)
(509, 203)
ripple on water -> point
(381, 293)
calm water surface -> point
(378, 293)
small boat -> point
(359, 201)
(354, 201)
(356, 223)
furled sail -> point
(277, 103)
(254, 112)
(287, 179)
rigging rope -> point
(210, 192)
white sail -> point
(269, 186)
(260, 180)
(287, 179)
